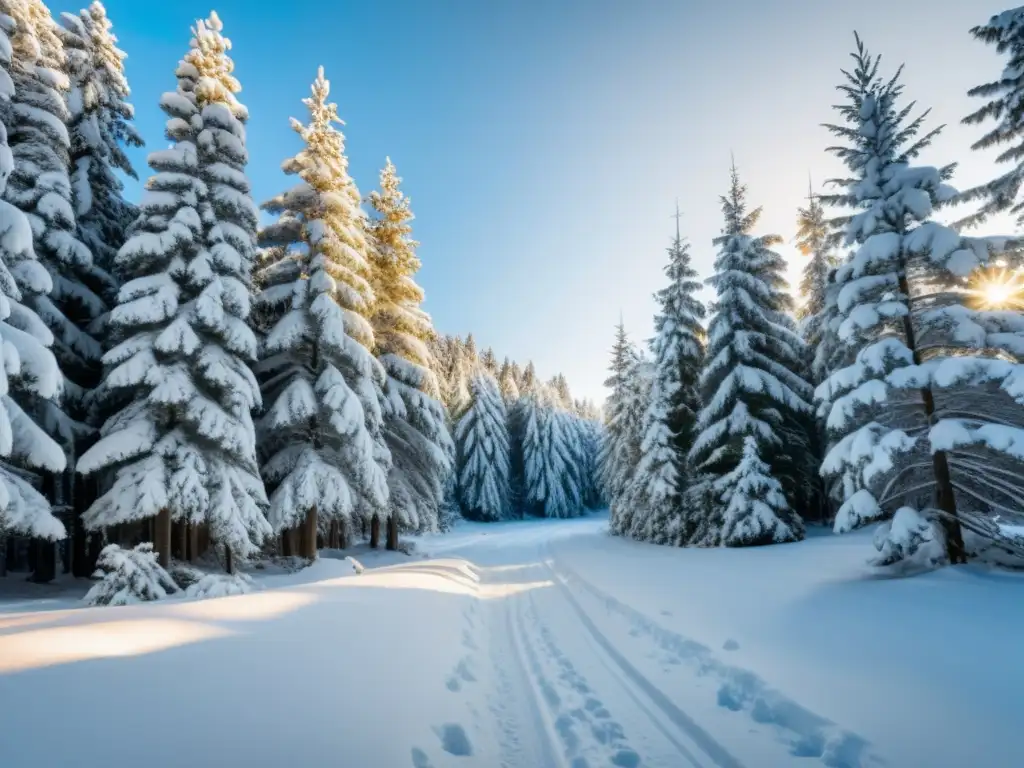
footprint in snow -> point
(454, 740)
(420, 759)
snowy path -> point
(516, 645)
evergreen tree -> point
(321, 435)
(184, 447)
(507, 383)
(626, 503)
(756, 510)
(814, 237)
(1004, 109)
(489, 362)
(751, 383)
(470, 357)
(100, 128)
(620, 449)
(551, 455)
(455, 394)
(29, 371)
(482, 441)
(417, 435)
(40, 186)
(925, 412)
(678, 351)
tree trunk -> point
(79, 549)
(309, 537)
(375, 532)
(85, 545)
(342, 534)
(229, 561)
(45, 569)
(332, 535)
(945, 497)
(162, 537)
(193, 542)
(96, 544)
(392, 543)
(183, 540)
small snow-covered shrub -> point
(221, 585)
(185, 575)
(908, 543)
(407, 547)
(129, 576)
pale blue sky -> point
(544, 142)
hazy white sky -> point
(544, 143)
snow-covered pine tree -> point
(40, 186)
(417, 435)
(815, 236)
(610, 466)
(517, 374)
(925, 411)
(751, 382)
(482, 440)
(100, 128)
(29, 372)
(507, 383)
(455, 395)
(184, 446)
(509, 387)
(755, 508)
(815, 239)
(639, 383)
(552, 452)
(1006, 32)
(322, 436)
(489, 362)
(678, 351)
(470, 356)
(620, 449)
(592, 435)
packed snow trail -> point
(525, 645)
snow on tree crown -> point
(212, 67)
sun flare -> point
(998, 289)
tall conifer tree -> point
(184, 446)
(322, 433)
(417, 435)
(751, 383)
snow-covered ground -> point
(530, 645)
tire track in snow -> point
(633, 678)
(527, 668)
(807, 734)
(590, 737)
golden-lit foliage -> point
(209, 55)
(400, 325)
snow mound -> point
(222, 585)
(356, 565)
(129, 576)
